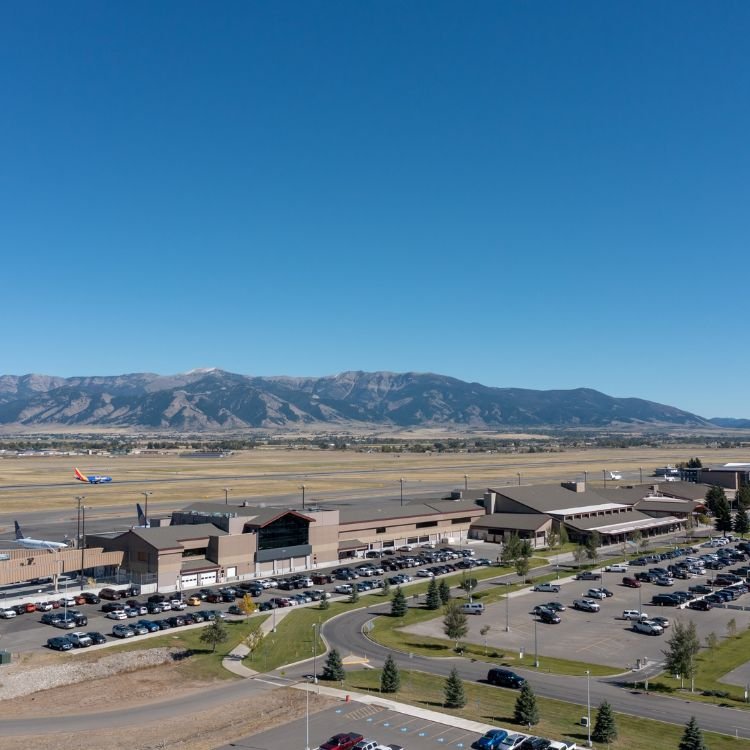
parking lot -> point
(381, 724)
(596, 637)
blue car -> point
(493, 740)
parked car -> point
(59, 643)
(552, 588)
(80, 639)
(617, 568)
(588, 575)
(123, 631)
(700, 604)
(491, 740)
(342, 741)
(91, 598)
(96, 638)
(117, 614)
(549, 617)
(649, 627)
(633, 614)
(631, 583)
(586, 605)
(7, 614)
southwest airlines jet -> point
(29, 543)
(95, 479)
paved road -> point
(346, 635)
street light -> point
(536, 650)
(315, 652)
(466, 482)
(80, 499)
(588, 707)
(226, 495)
(518, 473)
(507, 607)
(401, 482)
(83, 541)
(302, 487)
(145, 514)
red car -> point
(30, 607)
(342, 741)
(631, 583)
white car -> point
(425, 574)
(175, 603)
(343, 588)
(649, 627)
(117, 614)
(596, 594)
(634, 614)
(6, 614)
(586, 605)
(80, 639)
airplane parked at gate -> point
(94, 479)
(29, 543)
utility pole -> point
(83, 542)
(401, 481)
(226, 495)
(302, 487)
(80, 499)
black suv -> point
(505, 678)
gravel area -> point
(18, 680)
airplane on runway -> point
(616, 475)
(29, 543)
(94, 479)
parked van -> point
(472, 608)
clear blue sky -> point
(541, 195)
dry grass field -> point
(38, 483)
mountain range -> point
(213, 400)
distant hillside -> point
(216, 400)
(729, 423)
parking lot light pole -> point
(507, 607)
(83, 541)
(401, 482)
(302, 487)
(307, 720)
(588, 707)
(80, 499)
(536, 651)
(226, 495)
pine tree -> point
(334, 667)
(526, 711)
(455, 697)
(713, 496)
(593, 541)
(455, 624)
(511, 550)
(444, 590)
(398, 603)
(605, 729)
(433, 595)
(723, 515)
(743, 498)
(354, 596)
(741, 523)
(390, 677)
(692, 739)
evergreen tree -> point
(683, 650)
(526, 711)
(692, 739)
(354, 596)
(444, 590)
(713, 496)
(214, 634)
(390, 677)
(743, 498)
(433, 595)
(455, 697)
(723, 515)
(398, 603)
(605, 729)
(741, 524)
(455, 625)
(334, 667)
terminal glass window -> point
(287, 531)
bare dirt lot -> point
(198, 731)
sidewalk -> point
(233, 660)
